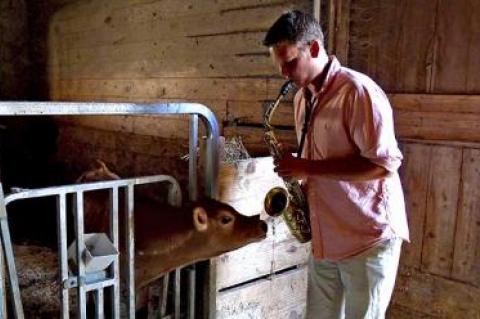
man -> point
(348, 166)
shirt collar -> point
(334, 68)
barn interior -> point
(424, 54)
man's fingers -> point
(282, 172)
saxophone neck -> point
(273, 106)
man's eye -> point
(291, 63)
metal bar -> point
(53, 191)
(211, 167)
(129, 234)
(80, 246)
(90, 280)
(107, 108)
(163, 305)
(211, 288)
(100, 284)
(10, 262)
(177, 293)
(99, 314)
(3, 296)
(115, 267)
(191, 291)
(63, 253)
(193, 155)
(193, 193)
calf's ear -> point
(100, 164)
(200, 219)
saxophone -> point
(289, 202)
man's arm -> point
(353, 169)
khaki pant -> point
(359, 287)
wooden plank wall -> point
(424, 53)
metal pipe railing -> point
(195, 111)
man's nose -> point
(284, 71)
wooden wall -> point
(14, 55)
(424, 53)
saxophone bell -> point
(276, 201)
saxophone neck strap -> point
(309, 105)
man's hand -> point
(291, 167)
(355, 168)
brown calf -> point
(169, 237)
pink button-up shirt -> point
(351, 116)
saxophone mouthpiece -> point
(286, 87)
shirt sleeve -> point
(371, 126)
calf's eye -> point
(226, 219)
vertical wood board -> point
(466, 259)
(457, 67)
(442, 205)
(414, 173)
(390, 41)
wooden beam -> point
(421, 117)
(437, 117)
(436, 103)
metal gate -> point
(81, 281)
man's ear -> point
(315, 49)
(200, 219)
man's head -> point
(296, 42)
(294, 27)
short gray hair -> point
(296, 27)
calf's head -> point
(224, 228)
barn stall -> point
(423, 53)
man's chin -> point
(299, 84)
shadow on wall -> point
(27, 160)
